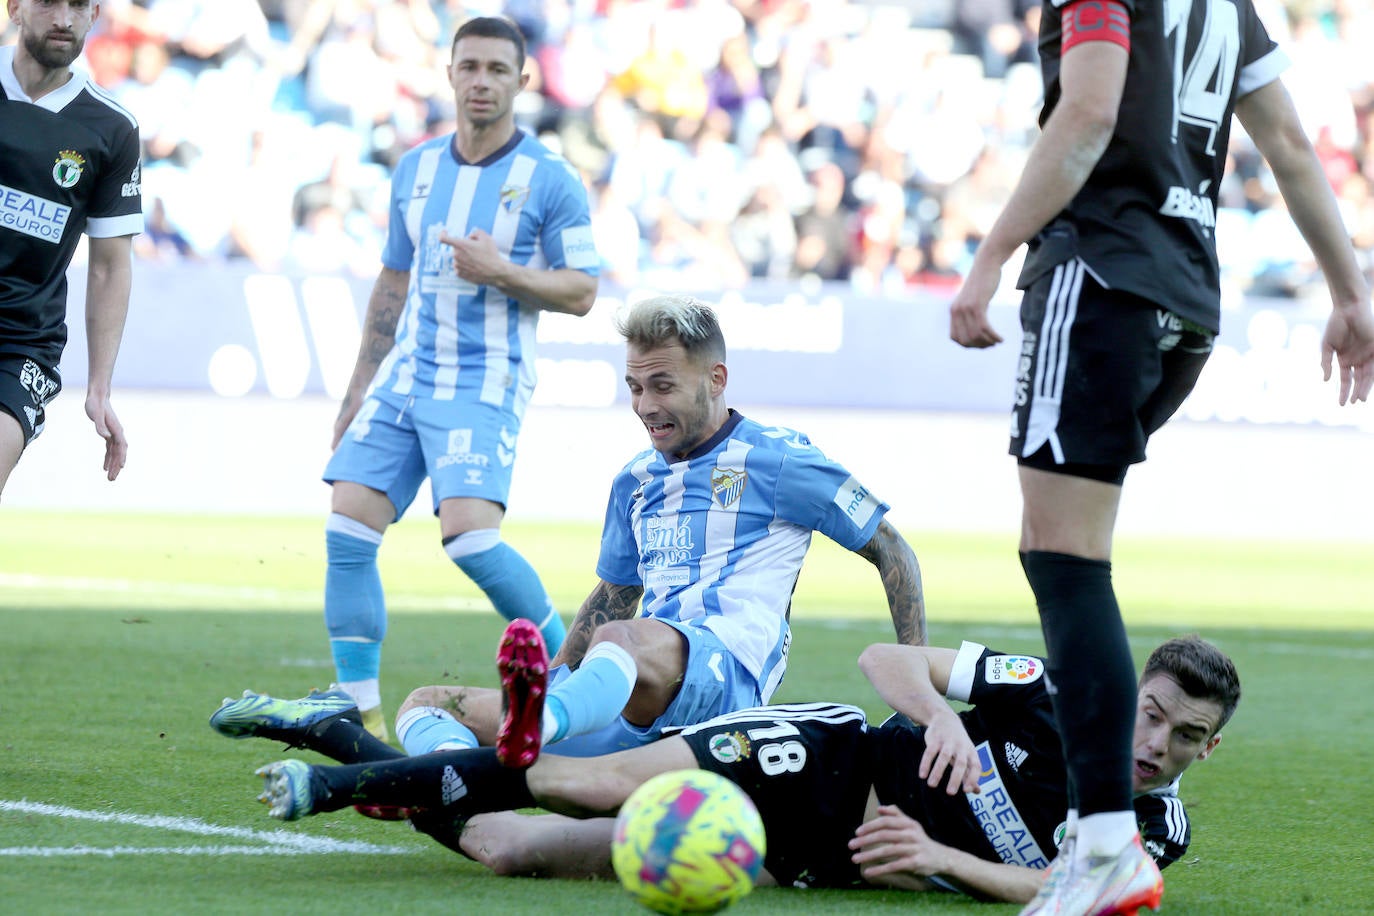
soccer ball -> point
(688, 842)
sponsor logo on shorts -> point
(36, 382)
(727, 485)
(579, 251)
(460, 451)
(856, 502)
(33, 216)
(1002, 823)
(729, 747)
(473, 478)
(67, 170)
(1155, 848)
(1015, 756)
(1012, 669)
(1024, 364)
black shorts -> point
(1100, 371)
(26, 388)
(806, 766)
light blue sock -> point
(593, 696)
(509, 581)
(425, 729)
(354, 606)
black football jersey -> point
(1144, 222)
(69, 163)
(1018, 813)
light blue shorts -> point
(714, 683)
(466, 449)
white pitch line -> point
(110, 852)
(278, 840)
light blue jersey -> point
(717, 539)
(456, 340)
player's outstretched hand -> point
(950, 751)
(1349, 338)
(895, 851)
(968, 312)
(108, 426)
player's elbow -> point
(878, 657)
(583, 302)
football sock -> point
(345, 739)
(1091, 676)
(508, 580)
(1104, 834)
(593, 696)
(368, 693)
(469, 782)
(424, 729)
(354, 607)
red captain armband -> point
(1095, 20)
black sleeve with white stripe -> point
(1164, 827)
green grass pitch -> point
(120, 634)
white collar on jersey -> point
(53, 101)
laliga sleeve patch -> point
(1012, 669)
(1095, 20)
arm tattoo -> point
(606, 602)
(901, 574)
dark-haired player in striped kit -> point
(488, 228)
(1122, 300)
(68, 163)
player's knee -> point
(420, 696)
(646, 640)
(623, 633)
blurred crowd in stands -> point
(869, 143)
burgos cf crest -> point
(726, 486)
(729, 747)
(67, 170)
(513, 197)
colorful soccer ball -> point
(688, 842)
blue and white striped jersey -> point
(456, 340)
(717, 538)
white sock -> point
(1104, 834)
(367, 694)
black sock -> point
(1092, 675)
(465, 782)
(344, 739)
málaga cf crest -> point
(727, 485)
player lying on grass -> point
(972, 801)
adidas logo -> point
(452, 786)
(1015, 756)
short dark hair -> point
(1200, 668)
(664, 320)
(492, 27)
